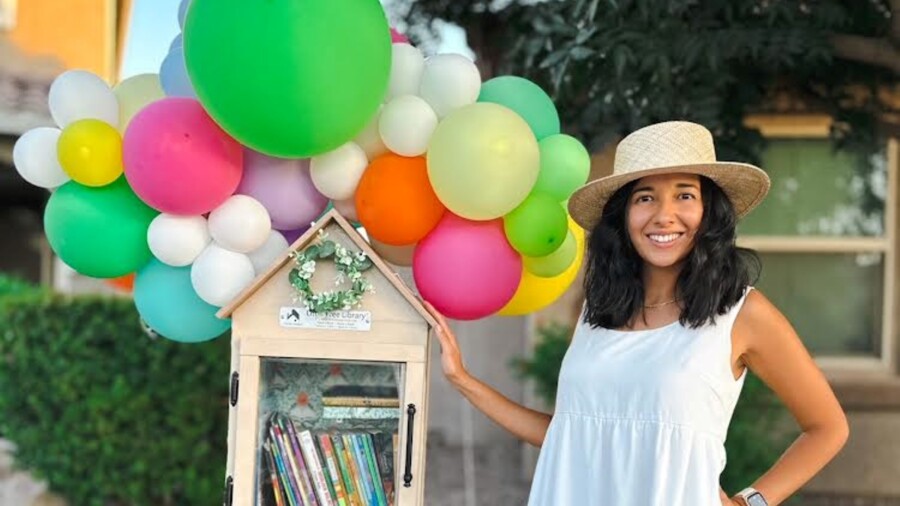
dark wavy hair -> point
(715, 274)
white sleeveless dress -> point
(640, 418)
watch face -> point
(757, 500)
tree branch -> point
(872, 51)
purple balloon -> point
(293, 235)
(284, 187)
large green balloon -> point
(289, 78)
(537, 227)
(527, 99)
(565, 165)
(100, 232)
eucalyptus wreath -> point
(350, 267)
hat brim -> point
(745, 185)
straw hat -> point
(667, 148)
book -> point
(305, 481)
(384, 457)
(363, 464)
(360, 413)
(277, 490)
(369, 451)
(350, 481)
(315, 468)
(361, 396)
(334, 476)
(296, 464)
(286, 476)
(365, 488)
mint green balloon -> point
(525, 98)
(289, 78)
(100, 232)
(537, 227)
(565, 165)
(555, 263)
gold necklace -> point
(660, 304)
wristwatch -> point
(752, 497)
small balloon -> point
(555, 263)
(36, 160)
(395, 201)
(284, 187)
(398, 37)
(466, 269)
(167, 302)
(291, 236)
(90, 151)
(178, 240)
(480, 147)
(100, 232)
(565, 166)
(241, 224)
(407, 65)
(406, 125)
(526, 99)
(449, 81)
(78, 94)
(537, 227)
(219, 275)
(174, 77)
(336, 174)
(264, 256)
(178, 160)
(134, 94)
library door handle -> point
(410, 420)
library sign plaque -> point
(328, 408)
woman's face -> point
(664, 213)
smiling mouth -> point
(664, 240)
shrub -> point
(107, 415)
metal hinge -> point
(229, 492)
(233, 392)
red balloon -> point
(395, 201)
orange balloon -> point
(395, 201)
(124, 283)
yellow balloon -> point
(483, 160)
(134, 94)
(90, 152)
(535, 293)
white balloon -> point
(177, 240)
(34, 156)
(406, 125)
(370, 139)
(219, 275)
(271, 250)
(449, 82)
(407, 64)
(347, 208)
(78, 94)
(241, 224)
(336, 174)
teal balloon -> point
(565, 166)
(289, 78)
(167, 302)
(99, 231)
(525, 98)
(555, 263)
(537, 227)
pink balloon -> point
(467, 269)
(284, 187)
(178, 160)
(398, 37)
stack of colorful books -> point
(360, 402)
(328, 468)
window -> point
(826, 237)
(7, 14)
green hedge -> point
(759, 432)
(107, 415)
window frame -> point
(817, 126)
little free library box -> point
(328, 407)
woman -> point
(659, 355)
